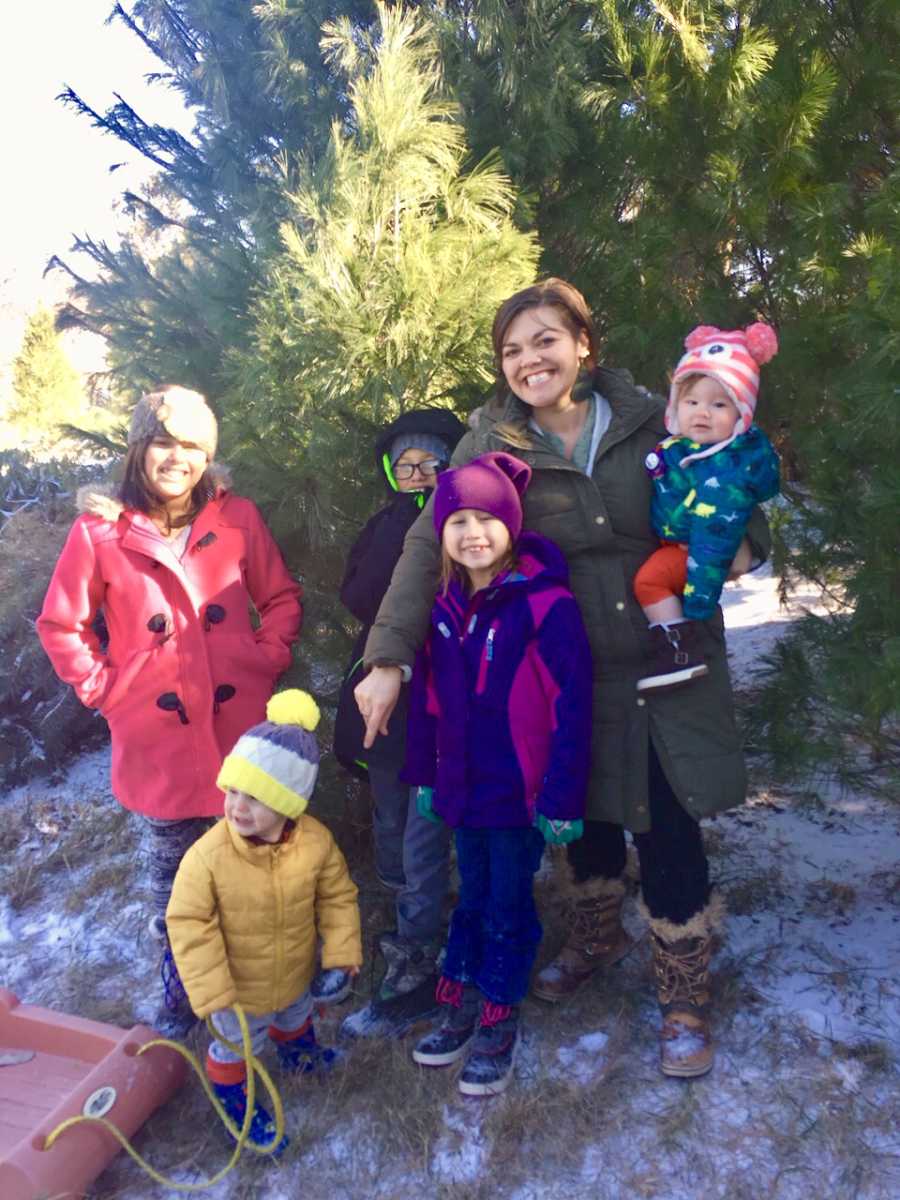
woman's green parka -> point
(601, 524)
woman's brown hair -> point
(136, 491)
(576, 316)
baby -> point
(707, 477)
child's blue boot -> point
(233, 1098)
(300, 1054)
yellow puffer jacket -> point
(243, 919)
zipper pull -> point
(443, 629)
(489, 644)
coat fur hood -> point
(102, 499)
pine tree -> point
(395, 258)
(46, 389)
(172, 297)
(740, 162)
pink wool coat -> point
(185, 673)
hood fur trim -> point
(102, 499)
(702, 924)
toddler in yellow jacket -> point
(251, 899)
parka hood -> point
(102, 499)
(437, 422)
(538, 557)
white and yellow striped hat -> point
(277, 761)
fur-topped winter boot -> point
(596, 936)
(681, 956)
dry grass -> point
(784, 1114)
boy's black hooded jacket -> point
(370, 564)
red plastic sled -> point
(59, 1066)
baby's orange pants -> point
(664, 574)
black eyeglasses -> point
(427, 469)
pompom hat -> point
(493, 483)
(177, 412)
(277, 761)
(732, 357)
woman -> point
(174, 561)
(661, 762)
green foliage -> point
(321, 253)
(172, 298)
(41, 721)
(47, 389)
(739, 161)
(395, 259)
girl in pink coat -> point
(174, 561)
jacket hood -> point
(102, 499)
(436, 422)
(538, 557)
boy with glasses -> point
(411, 853)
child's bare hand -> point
(351, 971)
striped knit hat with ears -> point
(277, 761)
(732, 357)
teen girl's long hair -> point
(576, 316)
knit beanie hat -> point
(176, 412)
(732, 357)
(493, 483)
(429, 442)
(277, 761)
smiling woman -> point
(174, 561)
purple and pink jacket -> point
(500, 705)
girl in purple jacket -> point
(499, 746)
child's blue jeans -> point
(495, 931)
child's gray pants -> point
(411, 854)
(287, 1020)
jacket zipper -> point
(279, 921)
(487, 657)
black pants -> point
(674, 868)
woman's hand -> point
(376, 697)
(743, 560)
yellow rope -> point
(241, 1135)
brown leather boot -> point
(596, 937)
(681, 955)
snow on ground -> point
(803, 1098)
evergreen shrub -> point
(41, 720)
